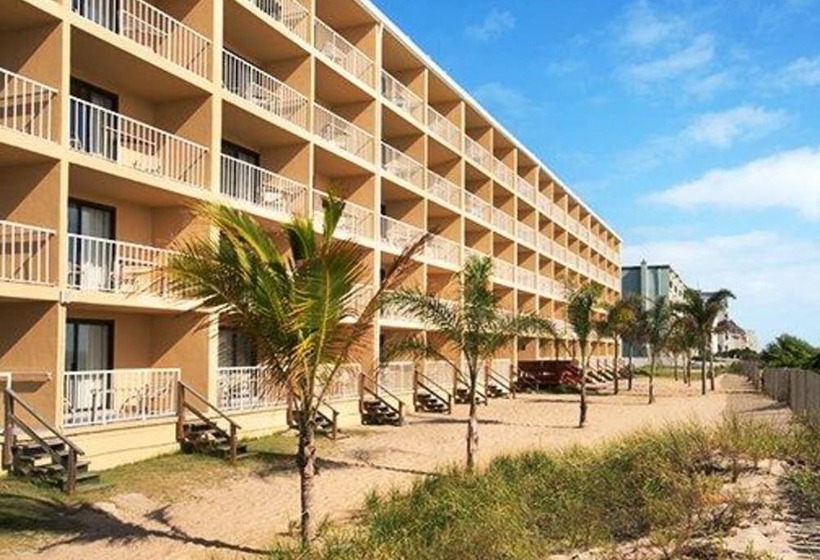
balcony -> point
(26, 105)
(402, 97)
(478, 207)
(442, 250)
(445, 130)
(335, 48)
(107, 266)
(397, 377)
(345, 383)
(356, 221)
(525, 190)
(397, 235)
(392, 314)
(263, 90)
(478, 154)
(25, 254)
(440, 372)
(544, 204)
(289, 13)
(544, 244)
(503, 173)
(343, 134)
(127, 142)
(97, 398)
(525, 279)
(402, 166)
(248, 183)
(247, 388)
(443, 189)
(503, 221)
(152, 29)
(526, 234)
(503, 271)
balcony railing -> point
(444, 129)
(526, 234)
(345, 383)
(108, 135)
(25, 253)
(260, 187)
(356, 221)
(503, 173)
(342, 52)
(440, 372)
(100, 397)
(402, 166)
(525, 189)
(397, 377)
(544, 204)
(443, 189)
(25, 105)
(289, 13)
(502, 368)
(345, 135)
(151, 28)
(247, 388)
(478, 207)
(442, 250)
(263, 90)
(108, 266)
(402, 97)
(503, 221)
(397, 235)
(477, 153)
(525, 278)
(393, 313)
(503, 271)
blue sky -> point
(692, 127)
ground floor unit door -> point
(88, 365)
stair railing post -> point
(180, 411)
(512, 380)
(8, 429)
(335, 431)
(233, 444)
(415, 386)
(71, 482)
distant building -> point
(728, 335)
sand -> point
(242, 517)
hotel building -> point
(117, 115)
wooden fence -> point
(799, 388)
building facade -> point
(651, 282)
(119, 115)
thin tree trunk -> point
(631, 372)
(472, 427)
(617, 373)
(703, 369)
(675, 358)
(583, 417)
(711, 370)
(688, 370)
(652, 378)
(306, 463)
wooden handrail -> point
(183, 405)
(203, 400)
(42, 421)
(448, 400)
(399, 410)
(505, 384)
(428, 381)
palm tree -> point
(475, 327)
(634, 335)
(682, 340)
(703, 312)
(659, 321)
(581, 305)
(301, 304)
(619, 319)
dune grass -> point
(664, 486)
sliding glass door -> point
(88, 361)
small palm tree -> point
(581, 305)
(634, 335)
(620, 317)
(475, 328)
(702, 313)
(659, 321)
(300, 304)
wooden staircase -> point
(326, 423)
(202, 434)
(52, 459)
(497, 387)
(462, 395)
(380, 407)
(429, 396)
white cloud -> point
(801, 72)
(789, 180)
(641, 26)
(705, 87)
(495, 24)
(768, 272)
(723, 129)
(693, 57)
(506, 100)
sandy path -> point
(244, 516)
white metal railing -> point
(345, 383)
(525, 278)
(477, 153)
(346, 135)
(470, 253)
(356, 221)
(151, 28)
(558, 252)
(342, 52)
(440, 372)
(525, 189)
(290, 13)
(543, 243)
(503, 221)
(443, 250)
(102, 133)
(397, 377)
(502, 368)
(247, 388)
(397, 235)
(526, 233)
(25, 253)
(393, 313)
(102, 397)
(478, 207)
(402, 96)
(249, 183)
(105, 265)
(263, 90)
(402, 166)
(25, 105)
(361, 297)
(544, 205)
(503, 173)
(442, 127)
(443, 189)
(503, 270)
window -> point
(90, 258)
(236, 349)
(94, 131)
